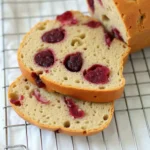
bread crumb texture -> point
(79, 37)
(55, 114)
(129, 17)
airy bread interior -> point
(56, 115)
(109, 15)
(90, 42)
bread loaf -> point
(57, 112)
(128, 20)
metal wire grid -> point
(137, 73)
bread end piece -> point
(82, 127)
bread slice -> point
(127, 19)
(49, 110)
(75, 56)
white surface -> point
(127, 131)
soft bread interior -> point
(56, 114)
(109, 15)
(79, 38)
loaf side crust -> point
(138, 32)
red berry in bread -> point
(97, 74)
(108, 38)
(101, 3)
(37, 80)
(44, 58)
(116, 34)
(74, 110)
(16, 100)
(91, 5)
(67, 18)
(93, 24)
(73, 62)
(54, 35)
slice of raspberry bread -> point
(75, 56)
(127, 20)
(57, 112)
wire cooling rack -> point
(130, 127)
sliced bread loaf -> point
(127, 20)
(75, 56)
(57, 112)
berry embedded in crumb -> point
(44, 58)
(97, 74)
(37, 80)
(47, 71)
(53, 36)
(21, 97)
(91, 5)
(116, 34)
(74, 110)
(100, 1)
(108, 38)
(39, 98)
(67, 18)
(93, 24)
(17, 101)
(73, 62)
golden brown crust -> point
(57, 128)
(84, 94)
(136, 18)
